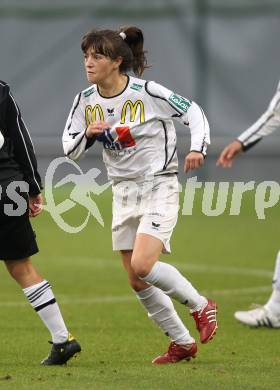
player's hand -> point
(229, 153)
(35, 205)
(96, 128)
(193, 160)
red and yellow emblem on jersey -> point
(124, 137)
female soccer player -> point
(18, 166)
(133, 119)
(267, 315)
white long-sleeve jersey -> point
(265, 125)
(141, 139)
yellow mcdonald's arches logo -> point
(133, 110)
(91, 114)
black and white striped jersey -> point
(265, 125)
(141, 139)
(17, 158)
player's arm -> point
(264, 126)
(22, 144)
(197, 122)
(75, 141)
(95, 129)
(189, 114)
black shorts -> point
(17, 238)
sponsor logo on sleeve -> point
(179, 102)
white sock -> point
(161, 310)
(276, 276)
(173, 283)
(41, 298)
(273, 304)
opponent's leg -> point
(41, 298)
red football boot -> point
(176, 353)
(206, 322)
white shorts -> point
(149, 207)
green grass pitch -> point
(230, 259)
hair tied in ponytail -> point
(123, 35)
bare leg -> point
(23, 272)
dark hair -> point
(111, 44)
